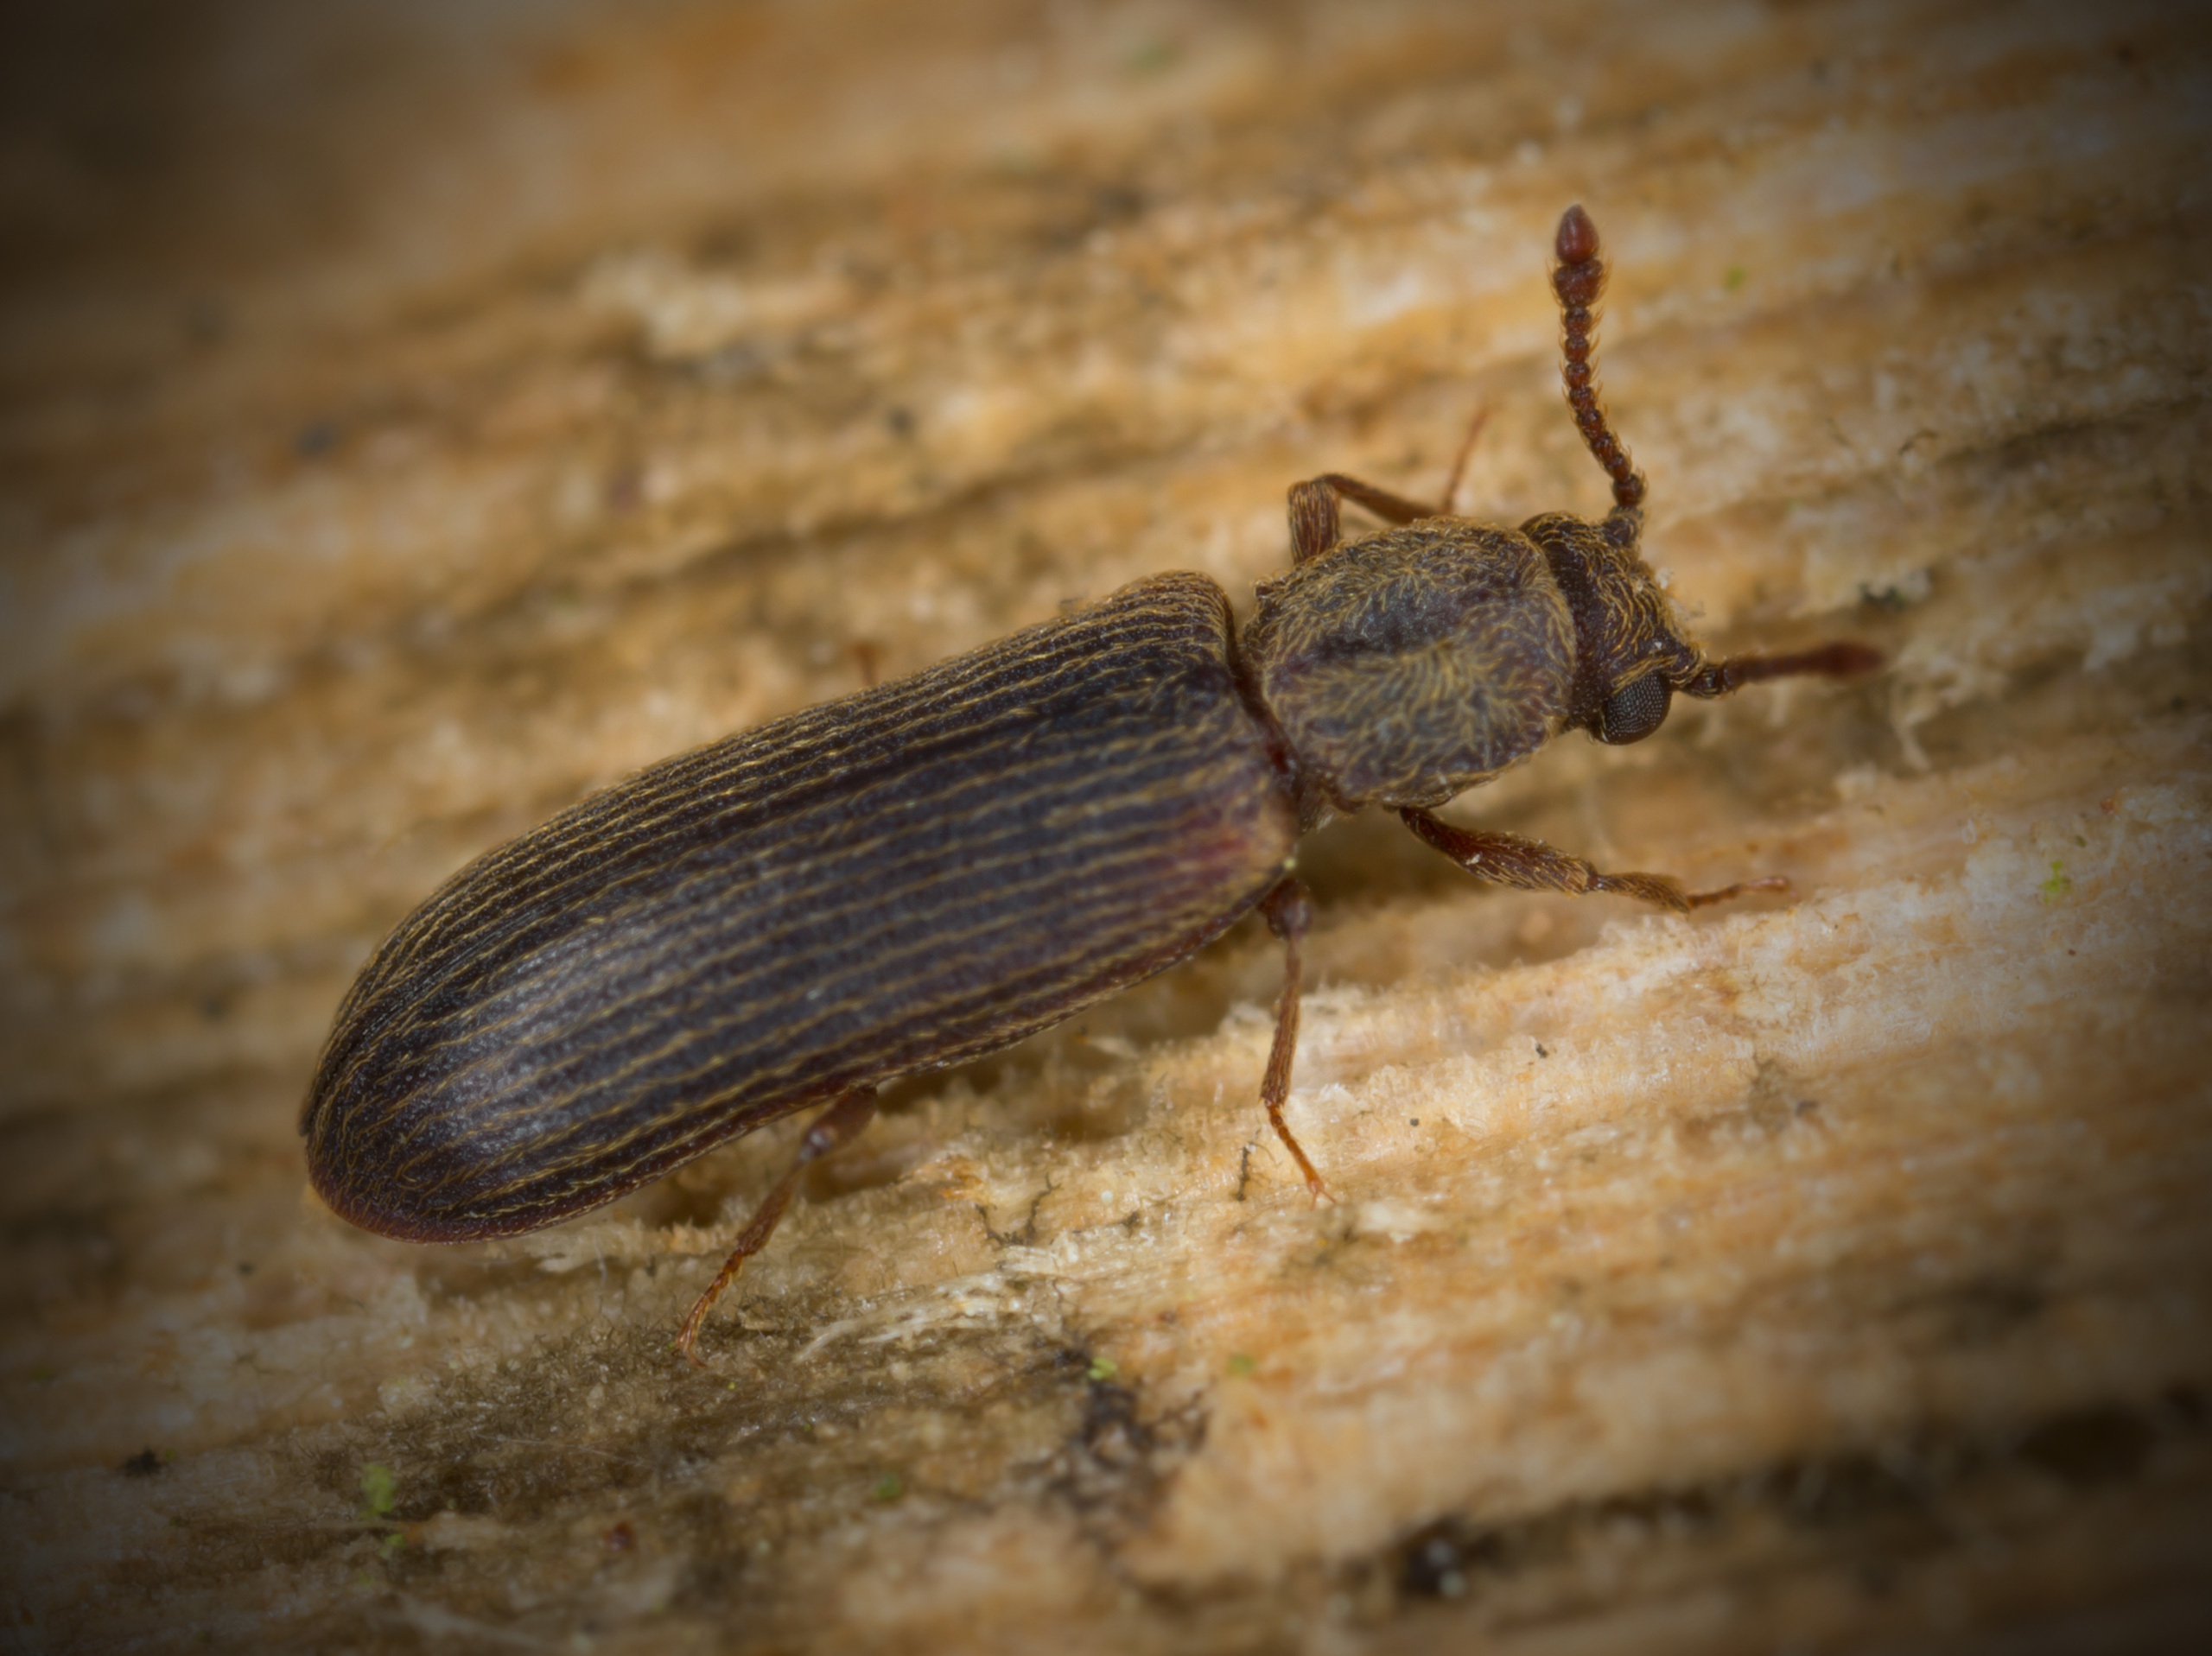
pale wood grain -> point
(455, 429)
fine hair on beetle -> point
(934, 868)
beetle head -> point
(1633, 652)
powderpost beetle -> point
(937, 867)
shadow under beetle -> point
(934, 868)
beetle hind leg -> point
(840, 1122)
(1289, 912)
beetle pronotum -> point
(934, 868)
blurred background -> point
(413, 417)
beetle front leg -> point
(1317, 504)
(1289, 912)
(833, 1127)
(1317, 510)
(1532, 866)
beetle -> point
(934, 868)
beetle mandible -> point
(937, 867)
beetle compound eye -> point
(1635, 713)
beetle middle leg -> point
(1532, 866)
(1289, 912)
(833, 1127)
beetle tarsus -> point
(1289, 909)
(833, 1127)
(1777, 882)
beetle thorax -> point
(1407, 667)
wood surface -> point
(412, 418)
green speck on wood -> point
(1734, 277)
(1150, 55)
(889, 1487)
(2059, 884)
(393, 1543)
(1102, 1368)
(379, 1490)
(1242, 1364)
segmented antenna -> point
(1578, 280)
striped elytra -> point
(892, 882)
(934, 868)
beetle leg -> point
(835, 1125)
(1509, 859)
(1289, 912)
(1459, 463)
(1316, 511)
(1843, 659)
(867, 660)
(1317, 504)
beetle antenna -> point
(1577, 281)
